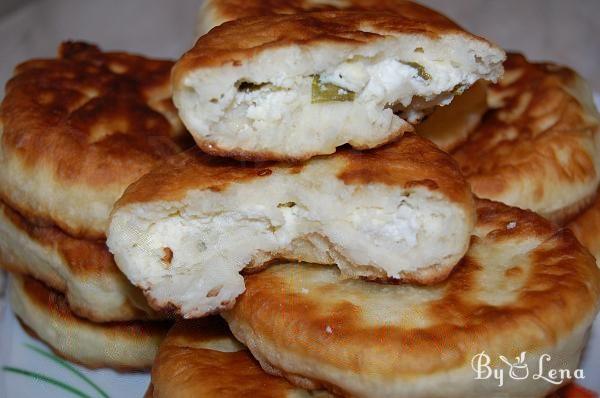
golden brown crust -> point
(183, 368)
(409, 162)
(88, 120)
(569, 213)
(83, 270)
(450, 126)
(55, 305)
(52, 301)
(586, 227)
(236, 41)
(228, 10)
(149, 392)
(93, 366)
(190, 170)
(536, 148)
(547, 292)
(84, 258)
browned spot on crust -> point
(167, 257)
(295, 169)
(513, 271)
(430, 184)
(88, 96)
(264, 172)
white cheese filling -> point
(380, 87)
(391, 231)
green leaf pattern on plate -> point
(57, 383)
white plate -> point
(16, 351)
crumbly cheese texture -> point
(266, 108)
(187, 255)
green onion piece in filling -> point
(327, 92)
(420, 70)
